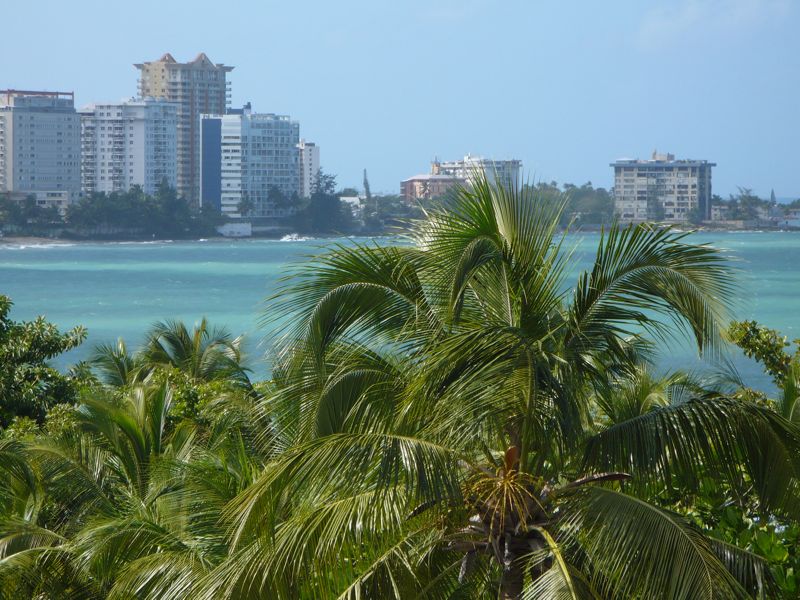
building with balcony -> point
(244, 155)
(198, 87)
(40, 144)
(309, 167)
(662, 189)
(129, 143)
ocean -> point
(120, 289)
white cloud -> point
(690, 20)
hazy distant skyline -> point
(387, 86)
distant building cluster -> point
(445, 176)
(662, 189)
(179, 129)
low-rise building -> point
(57, 199)
(662, 189)
(428, 186)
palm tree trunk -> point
(513, 578)
(511, 583)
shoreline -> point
(29, 241)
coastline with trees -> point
(134, 215)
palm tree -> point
(203, 354)
(437, 418)
(124, 504)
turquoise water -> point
(120, 289)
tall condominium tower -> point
(129, 143)
(662, 189)
(309, 166)
(244, 155)
(198, 87)
(40, 146)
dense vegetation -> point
(444, 420)
(136, 215)
(128, 215)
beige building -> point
(428, 186)
(198, 87)
(40, 145)
(662, 189)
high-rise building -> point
(309, 167)
(40, 145)
(662, 189)
(245, 155)
(495, 170)
(198, 87)
(129, 143)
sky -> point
(388, 85)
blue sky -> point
(387, 85)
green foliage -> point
(744, 205)
(765, 345)
(323, 212)
(446, 419)
(441, 400)
(27, 216)
(138, 215)
(28, 385)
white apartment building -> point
(198, 87)
(40, 144)
(662, 189)
(245, 154)
(495, 170)
(309, 166)
(129, 143)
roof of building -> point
(201, 60)
(428, 176)
(687, 162)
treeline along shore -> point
(134, 215)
